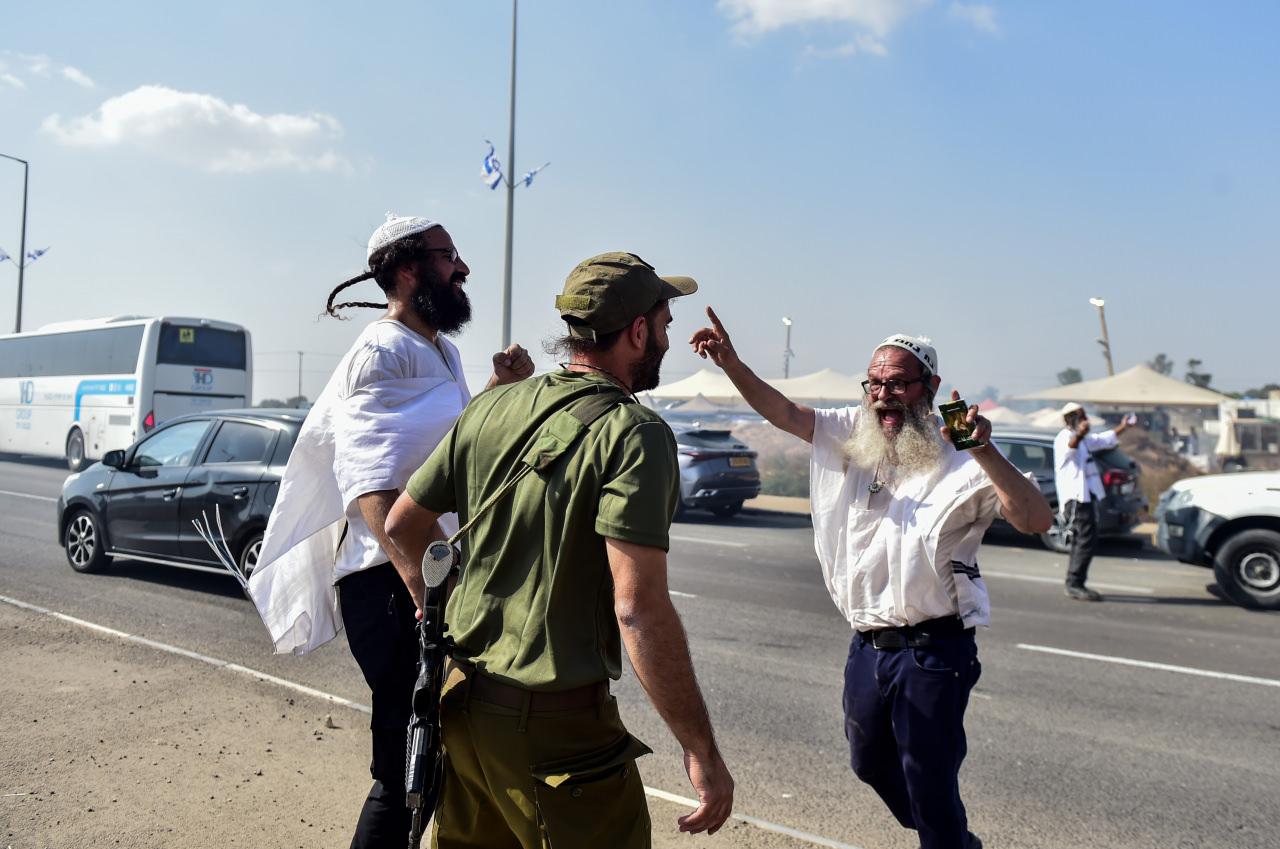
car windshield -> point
(707, 439)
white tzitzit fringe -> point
(219, 545)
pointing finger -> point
(715, 319)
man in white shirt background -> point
(326, 562)
(1080, 490)
(898, 517)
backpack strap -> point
(561, 433)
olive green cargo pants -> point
(516, 779)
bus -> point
(78, 389)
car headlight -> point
(1182, 499)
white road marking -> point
(1147, 664)
(978, 695)
(679, 594)
(1017, 576)
(706, 541)
(27, 495)
(764, 825)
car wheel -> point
(1055, 539)
(249, 555)
(1247, 567)
(84, 543)
(724, 511)
(75, 451)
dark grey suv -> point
(1031, 450)
(717, 472)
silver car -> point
(717, 472)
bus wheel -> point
(75, 451)
(84, 543)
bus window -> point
(112, 350)
(201, 346)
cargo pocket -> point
(594, 799)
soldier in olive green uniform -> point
(560, 572)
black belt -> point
(915, 636)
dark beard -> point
(644, 371)
(439, 304)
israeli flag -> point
(32, 256)
(492, 172)
(528, 178)
(4, 256)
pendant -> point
(875, 486)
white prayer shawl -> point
(908, 554)
(293, 586)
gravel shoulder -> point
(105, 742)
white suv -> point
(1232, 523)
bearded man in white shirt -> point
(326, 562)
(1080, 490)
(898, 516)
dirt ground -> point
(109, 743)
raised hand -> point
(714, 342)
(511, 365)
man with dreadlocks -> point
(326, 562)
(898, 516)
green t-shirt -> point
(534, 604)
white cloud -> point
(877, 17)
(980, 16)
(77, 76)
(37, 65)
(862, 43)
(205, 131)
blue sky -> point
(969, 171)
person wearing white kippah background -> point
(326, 561)
(898, 516)
(1075, 476)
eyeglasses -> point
(895, 387)
(451, 251)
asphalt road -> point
(1064, 750)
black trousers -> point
(904, 720)
(378, 616)
(1083, 521)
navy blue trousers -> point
(904, 720)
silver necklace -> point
(877, 483)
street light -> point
(1105, 341)
(22, 250)
(787, 353)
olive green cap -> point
(609, 291)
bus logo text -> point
(27, 392)
(202, 378)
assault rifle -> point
(423, 763)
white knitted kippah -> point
(395, 228)
(920, 346)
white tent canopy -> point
(1139, 386)
(827, 386)
(711, 385)
(1003, 415)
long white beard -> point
(916, 449)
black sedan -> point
(139, 503)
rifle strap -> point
(561, 433)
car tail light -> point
(149, 423)
(1115, 477)
(701, 454)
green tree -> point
(1161, 364)
(1070, 374)
(1197, 377)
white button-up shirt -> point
(1075, 472)
(907, 553)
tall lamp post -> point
(511, 190)
(22, 250)
(787, 353)
(1105, 341)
